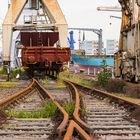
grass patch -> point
(7, 84)
(131, 99)
(49, 109)
(60, 84)
(76, 78)
(69, 108)
(44, 80)
(103, 78)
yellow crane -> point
(31, 11)
(127, 59)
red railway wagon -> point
(40, 51)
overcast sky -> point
(83, 13)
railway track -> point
(105, 120)
(26, 128)
(102, 120)
(61, 94)
(109, 122)
(7, 89)
(29, 100)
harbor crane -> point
(46, 17)
(96, 31)
(109, 8)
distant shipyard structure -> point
(91, 47)
(111, 47)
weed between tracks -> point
(69, 107)
(76, 78)
(7, 84)
(49, 109)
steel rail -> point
(76, 96)
(116, 98)
(73, 125)
(80, 126)
(17, 95)
(10, 99)
(93, 91)
(44, 93)
(61, 128)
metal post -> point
(8, 72)
(79, 39)
(100, 42)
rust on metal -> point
(77, 107)
(107, 94)
(61, 128)
(34, 39)
(64, 123)
(73, 125)
(13, 97)
(44, 55)
(40, 50)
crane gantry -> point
(25, 15)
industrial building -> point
(91, 47)
(111, 46)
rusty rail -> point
(44, 94)
(116, 98)
(64, 123)
(10, 99)
(76, 96)
(15, 96)
(73, 125)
